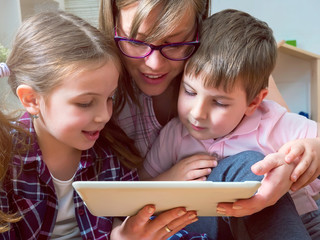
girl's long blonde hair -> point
(51, 45)
(7, 142)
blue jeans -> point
(280, 221)
(311, 221)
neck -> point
(61, 160)
(165, 105)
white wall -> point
(10, 19)
(289, 19)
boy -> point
(221, 103)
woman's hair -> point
(8, 139)
(50, 46)
(235, 46)
(168, 18)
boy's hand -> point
(140, 227)
(274, 185)
(196, 167)
(305, 153)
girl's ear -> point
(256, 102)
(29, 99)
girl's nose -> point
(104, 114)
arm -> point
(304, 153)
(196, 167)
(163, 160)
(301, 156)
(140, 227)
(274, 185)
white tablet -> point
(126, 198)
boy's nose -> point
(198, 111)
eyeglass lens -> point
(140, 50)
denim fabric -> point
(312, 222)
(280, 221)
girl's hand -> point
(140, 227)
(274, 185)
(305, 153)
(196, 167)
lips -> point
(197, 128)
(153, 78)
(91, 135)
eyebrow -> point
(96, 94)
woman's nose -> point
(155, 60)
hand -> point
(140, 227)
(274, 185)
(305, 153)
(196, 167)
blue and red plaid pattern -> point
(31, 192)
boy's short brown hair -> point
(234, 45)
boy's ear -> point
(29, 98)
(256, 102)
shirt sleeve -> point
(282, 126)
(162, 155)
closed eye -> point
(84, 105)
(219, 104)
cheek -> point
(184, 105)
(131, 64)
(177, 66)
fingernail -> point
(236, 207)
(151, 210)
(181, 213)
(221, 213)
(294, 178)
(192, 216)
(257, 168)
(194, 220)
(221, 209)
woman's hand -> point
(140, 227)
(196, 167)
(274, 185)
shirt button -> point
(81, 212)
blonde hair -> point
(51, 45)
(7, 142)
(235, 46)
(170, 14)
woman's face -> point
(154, 73)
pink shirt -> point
(265, 131)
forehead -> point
(178, 26)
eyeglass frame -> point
(195, 43)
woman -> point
(155, 38)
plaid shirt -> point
(140, 124)
(32, 193)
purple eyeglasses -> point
(173, 51)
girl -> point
(155, 38)
(65, 73)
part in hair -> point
(234, 46)
(169, 15)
